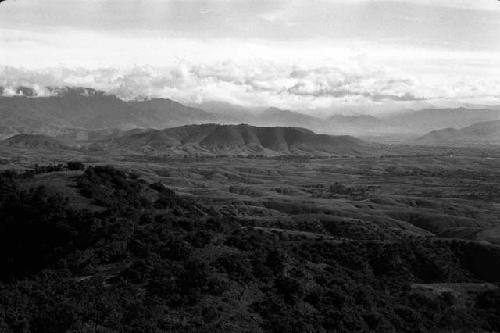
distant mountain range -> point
(93, 110)
(83, 114)
(409, 123)
(481, 133)
(423, 121)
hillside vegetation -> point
(235, 140)
(153, 261)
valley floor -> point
(421, 229)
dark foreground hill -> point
(238, 139)
(482, 133)
(150, 260)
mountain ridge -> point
(237, 139)
(85, 109)
(480, 133)
(94, 110)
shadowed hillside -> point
(239, 139)
(151, 260)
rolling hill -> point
(481, 133)
(237, 139)
(33, 141)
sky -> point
(365, 56)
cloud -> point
(294, 54)
(262, 83)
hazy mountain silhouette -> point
(85, 108)
(229, 113)
(356, 124)
(482, 133)
(162, 112)
(414, 122)
(91, 109)
(279, 117)
(423, 121)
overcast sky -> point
(305, 54)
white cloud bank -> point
(307, 75)
(263, 83)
